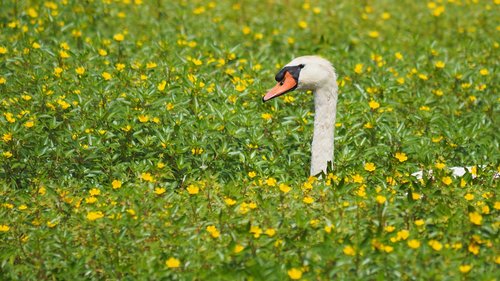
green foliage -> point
(134, 143)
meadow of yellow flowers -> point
(134, 143)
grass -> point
(134, 143)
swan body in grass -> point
(318, 75)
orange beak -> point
(286, 85)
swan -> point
(318, 75)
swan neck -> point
(322, 148)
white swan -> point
(318, 75)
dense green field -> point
(134, 143)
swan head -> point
(302, 73)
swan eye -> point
(282, 82)
(302, 65)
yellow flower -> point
(401, 156)
(473, 248)
(64, 54)
(29, 124)
(266, 116)
(42, 190)
(440, 165)
(143, 118)
(120, 66)
(349, 250)
(398, 56)
(358, 68)
(284, 188)
(403, 234)
(92, 216)
(2, 80)
(4, 228)
(484, 72)
(475, 218)
(246, 30)
(388, 249)
(173, 263)
(7, 154)
(258, 36)
(308, 200)
(415, 196)
(294, 273)
(197, 62)
(436, 245)
(419, 222)
(389, 228)
(357, 178)
(229, 201)
(94, 192)
(380, 199)
(147, 177)
(414, 244)
(32, 13)
(197, 151)
(256, 230)
(238, 248)
(465, 268)
(307, 186)
(106, 76)
(116, 184)
(9, 118)
(271, 181)
(118, 37)
(438, 11)
(447, 180)
(270, 232)
(252, 174)
(469, 197)
(151, 64)
(102, 52)
(439, 64)
(80, 70)
(328, 228)
(497, 205)
(199, 10)
(160, 190)
(423, 76)
(373, 104)
(193, 189)
(162, 85)
(303, 24)
(370, 167)
(374, 34)
(213, 231)
(58, 71)
(240, 87)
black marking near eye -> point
(293, 70)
